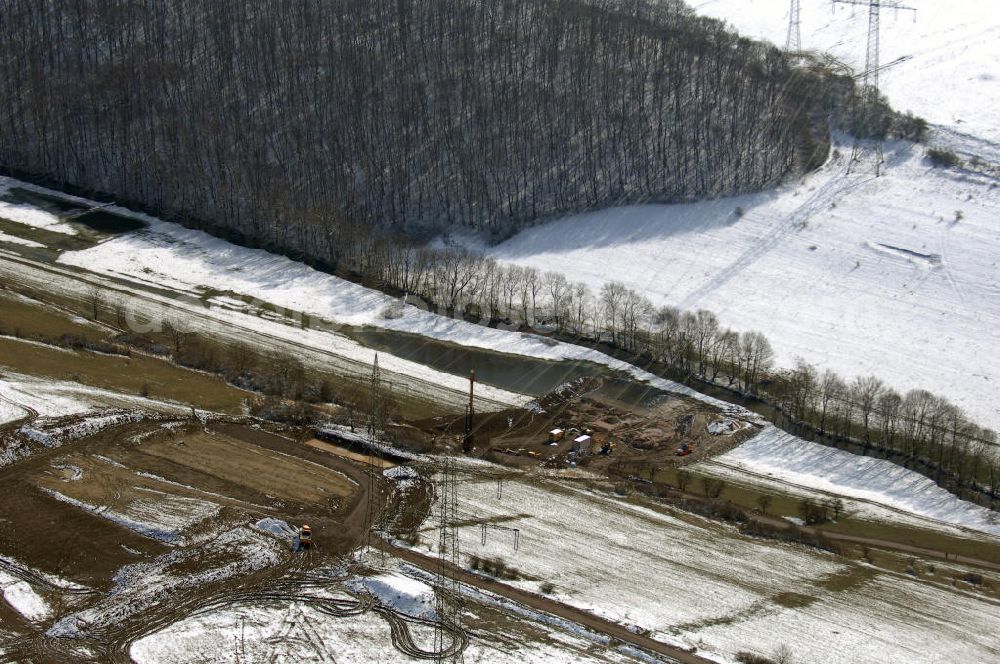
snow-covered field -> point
(783, 458)
(10, 412)
(698, 583)
(404, 594)
(168, 255)
(298, 632)
(896, 276)
(951, 75)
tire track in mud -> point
(547, 605)
(298, 579)
(30, 415)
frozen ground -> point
(55, 398)
(896, 276)
(166, 255)
(296, 631)
(699, 583)
(951, 75)
(781, 457)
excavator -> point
(305, 538)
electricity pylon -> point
(867, 113)
(793, 43)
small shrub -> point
(973, 578)
(813, 513)
(744, 657)
(941, 158)
(910, 127)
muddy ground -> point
(140, 524)
(628, 425)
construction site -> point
(596, 423)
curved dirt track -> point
(30, 415)
(544, 604)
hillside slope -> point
(896, 276)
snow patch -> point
(13, 239)
(783, 456)
(22, 598)
(399, 592)
(29, 215)
(276, 527)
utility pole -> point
(867, 114)
(376, 437)
(467, 438)
(793, 43)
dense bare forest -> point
(291, 124)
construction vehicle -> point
(608, 447)
(305, 538)
(556, 435)
(684, 450)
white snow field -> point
(896, 276)
(400, 592)
(697, 583)
(951, 74)
(783, 458)
(10, 412)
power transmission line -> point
(867, 114)
(447, 589)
